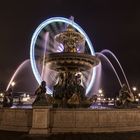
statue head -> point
(43, 84)
(124, 87)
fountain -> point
(69, 63)
(52, 44)
(71, 69)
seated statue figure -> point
(8, 98)
(74, 100)
(40, 95)
(125, 97)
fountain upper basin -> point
(71, 61)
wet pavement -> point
(7, 135)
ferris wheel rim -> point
(33, 42)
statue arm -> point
(37, 91)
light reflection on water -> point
(100, 107)
(29, 106)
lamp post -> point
(12, 85)
(134, 89)
(100, 96)
(136, 95)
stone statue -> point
(125, 97)
(74, 100)
(8, 98)
(40, 95)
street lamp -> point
(100, 91)
(134, 88)
(13, 84)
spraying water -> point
(17, 71)
(102, 55)
(112, 54)
(97, 82)
(45, 46)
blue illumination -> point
(34, 38)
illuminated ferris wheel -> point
(43, 43)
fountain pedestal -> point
(40, 120)
(70, 64)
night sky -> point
(110, 24)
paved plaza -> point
(6, 135)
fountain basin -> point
(67, 61)
(44, 120)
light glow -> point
(13, 84)
(134, 88)
(100, 91)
